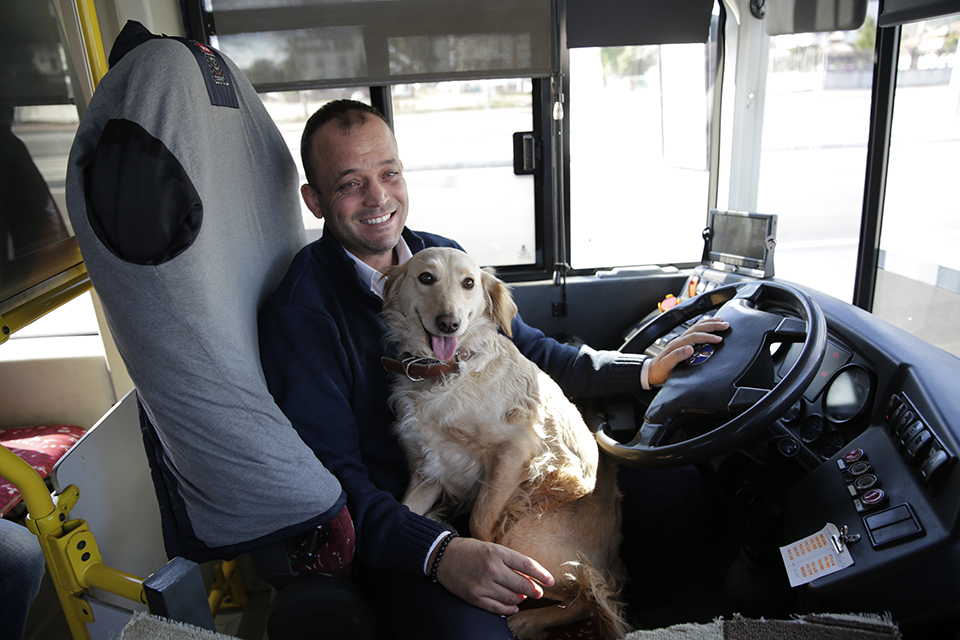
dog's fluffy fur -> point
(500, 439)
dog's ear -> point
(395, 277)
(499, 301)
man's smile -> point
(379, 220)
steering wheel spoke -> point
(791, 329)
(760, 313)
(746, 397)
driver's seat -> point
(184, 199)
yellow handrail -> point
(68, 546)
(90, 27)
(35, 494)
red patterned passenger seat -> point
(40, 447)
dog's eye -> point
(467, 283)
(426, 278)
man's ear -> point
(500, 303)
(312, 199)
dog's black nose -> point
(448, 323)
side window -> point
(639, 153)
(918, 283)
(456, 144)
(39, 116)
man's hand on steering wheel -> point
(760, 314)
(681, 347)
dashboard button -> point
(866, 482)
(918, 446)
(853, 456)
(893, 418)
(893, 404)
(873, 498)
(906, 419)
(788, 446)
(891, 525)
(934, 466)
(860, 468)
(911, 431)
(888, 517)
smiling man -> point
(355, 183)
(321, 340)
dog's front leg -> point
(421, 495)
(504, 471)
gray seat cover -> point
(181, 258)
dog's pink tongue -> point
(444, 347)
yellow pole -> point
(90, 27)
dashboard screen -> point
(741, 239)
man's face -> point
(361, 194)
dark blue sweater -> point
(321, 339)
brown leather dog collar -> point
(417, 368)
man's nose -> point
(376, 194)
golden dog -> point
(493, 434)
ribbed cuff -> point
(619, 372)
(414, 542)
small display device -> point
(741, 240)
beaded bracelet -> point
(440, 550)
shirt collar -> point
(372, 278)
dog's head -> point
(440, 300)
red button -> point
(852, 456)
(874, 496)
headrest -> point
(184, 199)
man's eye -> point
(426, 278)
(467, 283)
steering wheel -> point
(735, 381)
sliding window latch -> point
(525, 153)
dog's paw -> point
(525, 626)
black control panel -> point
(918, 442)
(883, 523)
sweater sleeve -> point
(313, 380)
(583, 372)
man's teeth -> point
(377, 220)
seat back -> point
(183, 197)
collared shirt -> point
(373, 278)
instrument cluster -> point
(834, 408)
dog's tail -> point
(601, 592)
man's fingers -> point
(681, 348)
(495, 606)
(523, 586)
(528, 571)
